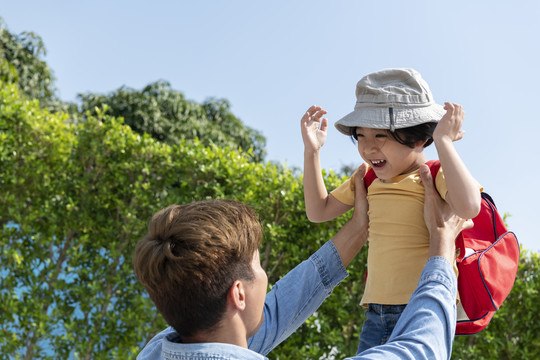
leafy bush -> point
(80, 196)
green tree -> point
(77, 198)
(167, 116)
(157, 109)
(21, 62)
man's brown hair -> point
(191, 256)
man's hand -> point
(360, 198)
(443, 225)
(354, 234)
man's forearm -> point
(439, 246)
(350, 239)
(297, 296)
(427, 326)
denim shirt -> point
(427, 326)
(424, 331)
(292, 300)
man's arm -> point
(426, 328)
(299, 294)
(354, 234)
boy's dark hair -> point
(409, 136)
(191, 256)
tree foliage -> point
(21, 62)
(167, 116)
(157, 109)
(78, 197)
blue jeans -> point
(379, 324)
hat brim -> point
(379, 118)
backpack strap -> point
(369, 177)
(434, 166)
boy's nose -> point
(368, 146)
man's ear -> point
(237, 295)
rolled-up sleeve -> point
(427, 326)
(297, 296)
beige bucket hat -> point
(391, 99)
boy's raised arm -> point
(320, 206)
(463, 192)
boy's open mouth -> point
(378, 163)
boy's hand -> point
(313, 128)
(449, 127)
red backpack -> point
(487, 262)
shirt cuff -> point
(440, 270)
(329, 265)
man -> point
(200, 265)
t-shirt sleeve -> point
(440, 183)
(344, 193)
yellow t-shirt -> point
(398, 236)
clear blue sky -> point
(272, 60)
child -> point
(394, 119)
